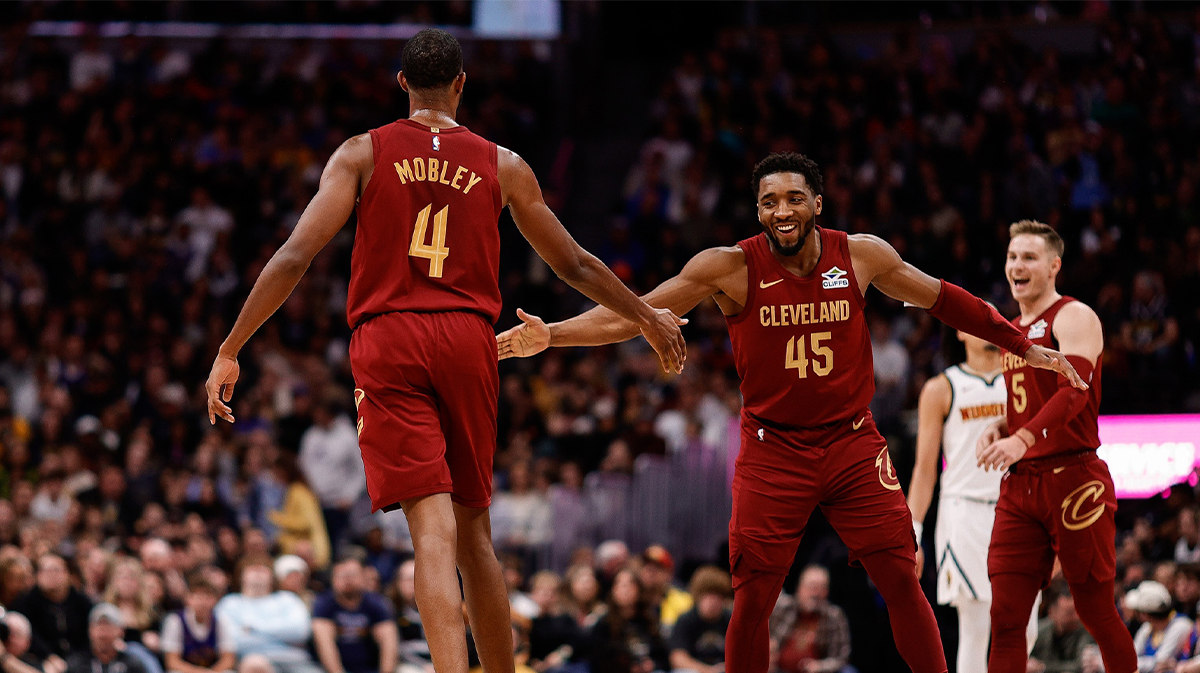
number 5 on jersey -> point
(436, 251)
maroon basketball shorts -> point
(1064, 505)
(781, 475)
(426, 393)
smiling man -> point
(1058, 497)
(793, 299)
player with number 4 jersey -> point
(793, 301)
(423, 297)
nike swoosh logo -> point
(764, 285)
(858, 424)
(1059, 469)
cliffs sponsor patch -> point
(1037, 330)
(834, 278)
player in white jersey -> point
(955, 408)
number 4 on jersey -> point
(436, 252)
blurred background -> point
(154, 155)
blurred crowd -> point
(144, 184)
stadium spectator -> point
(1163, 632)
(353, 629)
(271, 628)
(1062, 640)
(332, 464)
(698, 638)
(15, 656)
(811, 633)
(300, 521)
(554, 637)
(414, 650)
(57, 611)
(292, 574)
(1186, 591)
(657, 576)
(583, 602)
(627, 636)
(193, 639)
(106, 652)
(521, 515)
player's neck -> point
(1035, 306)
(803, 262)
(432, 113)
(984, 365)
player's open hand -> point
(1001, 454)
(663, 335)
(221, 379)
(1046, 358)
(531, 337)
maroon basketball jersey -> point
(428, 238)
(1029, 388)
(801, 343)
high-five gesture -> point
(1046, 358)
(531, 337)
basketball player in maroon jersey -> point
(422, 301)
(793, 300)
(1058, 496)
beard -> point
(805, 228)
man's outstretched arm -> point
(325, 215)
(703, 276)
(878, 263)
(579, 268)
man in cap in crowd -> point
(1164, 631)
(272, 628)
(291, 573)
(657, 574)
(106, 631)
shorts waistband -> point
(816, 429)
(1037, 465)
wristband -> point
(918, 530)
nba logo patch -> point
(1037, 330)
(437, 144)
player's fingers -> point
(227, 391)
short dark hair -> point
(431, 59)
(788, 162)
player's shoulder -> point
(717, 262)
(1076, 315)
(938, 388)
(356, 152)
(872, 251)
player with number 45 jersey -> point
(793, 301)
(423, 297)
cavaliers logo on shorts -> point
(887, 474)
(359, 394)
(1079, 499)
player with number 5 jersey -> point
(793, 297)
(423, 297)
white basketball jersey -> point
(975, 404)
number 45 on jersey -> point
(435, 251)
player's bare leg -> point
(894, 572)
(483, 587)
(748, 645)
(439, 599)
